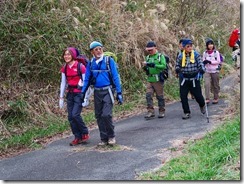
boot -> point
(150, 114)
(160, 114)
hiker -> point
(154, 65)
(211, 61)
(189, 68)
(71, 76)
(236, 52)
(102, 78)
(178, 53)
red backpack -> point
(233, 38)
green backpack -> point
(111, 54)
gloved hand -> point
(177, 70)
(61, 103)
(82, 97)
(119, 98)
(202, 72)
(151, 65)
(206, 62)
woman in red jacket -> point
(73, 78)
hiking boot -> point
(207, 101)
(75, 142)
(150, 115)
(85, 137)
(102, 143)
(186, 116)
(112, 141)
(215, 101)
(203, 109)
(161, 114)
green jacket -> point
(160, 65)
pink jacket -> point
(214, 57)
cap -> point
(95, 44)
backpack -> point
(111, 54)
(233, 38)
(164, 75)
(81, 58)
(108, 55)
(221, 59)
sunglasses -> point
(150, 50)
(98, 49)
(188, 46)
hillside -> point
(34, 33)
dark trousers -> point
(195, 91)
(74, 106)
(103, 114)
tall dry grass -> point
(34, 33)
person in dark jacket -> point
(190, 68)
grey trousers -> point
(103, 114)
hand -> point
(82, 97)
(151, 65)
(177, 70)
(206, 62)
(119, 98)
(61, 103)
(202, 72)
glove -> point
(82, 97)
(206, 62)
(151, 65)
(119, 98)
(202, 72)
(177, 70)
(61, 103)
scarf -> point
(192, 58)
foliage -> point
(33, 35)
(211, 158)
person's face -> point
(210, 46)
(151, 50)
(67, 56)
(188, 48)
(97, 52)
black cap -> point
(151, 44)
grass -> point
(215, 157)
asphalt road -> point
(139, 144)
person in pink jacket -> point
(211, 60)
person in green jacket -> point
(154, 65)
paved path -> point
(139, 143)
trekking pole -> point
(207, 112)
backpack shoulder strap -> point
(79, 70)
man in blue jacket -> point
(102, 73)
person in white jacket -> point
(211, 60)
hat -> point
(181, 40)
(72, 51)
(95, 44)
(209, 41)
(186, 41)
(150, 44)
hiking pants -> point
(196, 91)
(211, 81)
(158, 88)
(103, 114)
(74, 106)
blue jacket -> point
(101, 73)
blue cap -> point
(186, 41)
(150, 44)
(95, 44)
